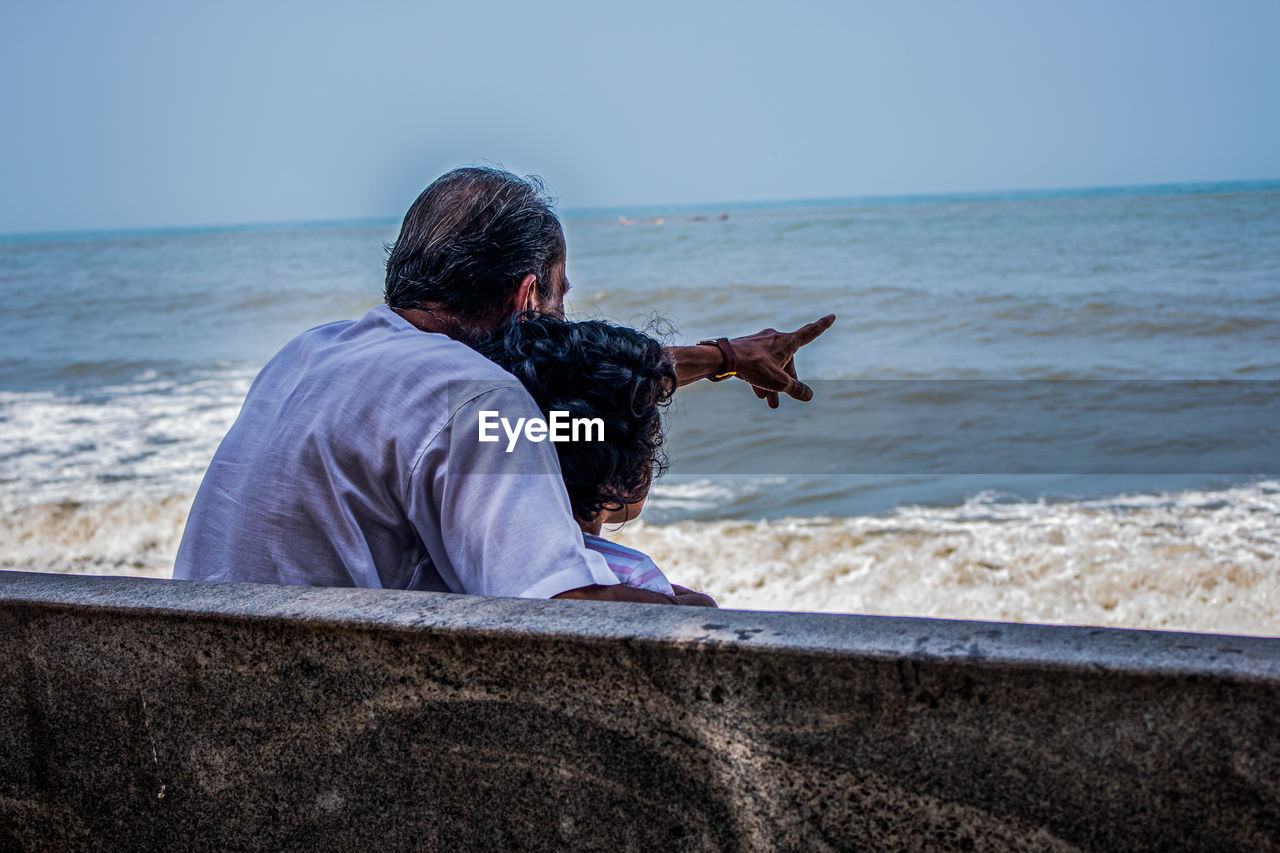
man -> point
(355, 459)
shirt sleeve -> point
(494, 515)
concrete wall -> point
(142, 714)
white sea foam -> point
(1191, 560)
(705, 494)
(153, 436)
(136, 536)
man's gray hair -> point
(469, 240)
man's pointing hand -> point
(766, 360)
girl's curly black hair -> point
(594, 369)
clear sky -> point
(136, 114)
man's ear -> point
(527, 294)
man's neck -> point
(439, 320)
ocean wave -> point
(153, 434)
(1199, 560)
(136, 536)
(1143, 327)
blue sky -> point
(140, 114)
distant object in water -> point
(659, 220)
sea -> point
(1055, 407)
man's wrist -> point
(694, 362)
(729, 358)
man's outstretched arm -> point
(765, 359)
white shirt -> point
(355, 461)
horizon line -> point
(589, 211)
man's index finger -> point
(810, 332)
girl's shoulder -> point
(633, 568)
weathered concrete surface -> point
(142, 714)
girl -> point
(594, 369)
